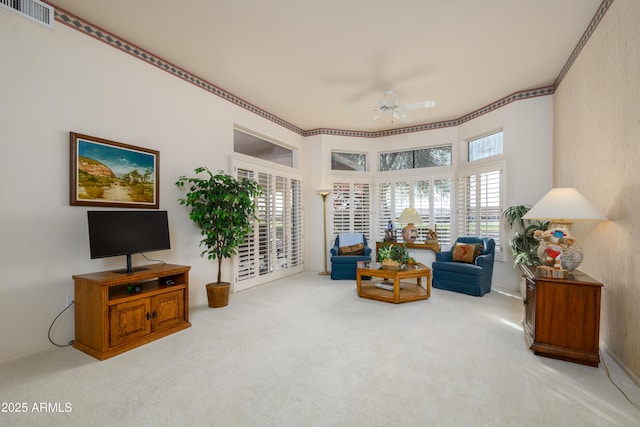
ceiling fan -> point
(389, 105)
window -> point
(260, 148)
(413, 159)
(486, 146)
(350, 208)
(480, 204)
(429, 195)
(348, 161)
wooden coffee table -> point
(400, 291)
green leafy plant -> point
(524, 246)
(224, 209)
(397, 253)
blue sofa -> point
(471, 279)
(343, 267)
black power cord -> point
(153, 260)
(54, 321)
(606, 368)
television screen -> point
(114, 233)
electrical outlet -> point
(69, 300)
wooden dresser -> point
(562, 318)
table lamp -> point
(562, 207)
(410, 216)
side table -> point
(562, 318)
(402, 291)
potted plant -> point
(224, 209)
(393, 257)
(524, 246)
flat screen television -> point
(116, 233)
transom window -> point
(413, 159)
(348, 161)
(486, 146)
(251, 145)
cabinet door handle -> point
(155, 314)
(148, 316)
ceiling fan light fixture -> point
(389, 105)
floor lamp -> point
(324, 194)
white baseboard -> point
(621, 365)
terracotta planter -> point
(218, 294)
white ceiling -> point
(312, 62)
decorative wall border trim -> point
(602, 9)
(104, 36)
(112, 40)
(517, 96)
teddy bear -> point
(556, 241)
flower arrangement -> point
(398, 254)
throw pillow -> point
(352, 249)
(466, 252)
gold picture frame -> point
(112, 174)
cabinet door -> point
(530, 308)
(129, 321)
(168, 310)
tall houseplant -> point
(524, 246)
(224, 209)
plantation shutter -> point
(480, 204)
(275, 246)
(442, 210)
(246, 255)
(429, 196)
(350, 208)
(421, 202)
(384, 209)
(295, 221)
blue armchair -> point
(458, 273)
(348, 249)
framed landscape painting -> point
(112, 174)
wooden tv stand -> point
(110, 320)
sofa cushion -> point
(357, 249)
(465, 252)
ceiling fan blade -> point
(414, 106)
(402, 117)
(362, 109)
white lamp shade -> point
(564, 205)
(410, 215)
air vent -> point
(32, 9)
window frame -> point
(366, 161)
(469, 141)
(411, 179)
(478, 170)
(413, 152)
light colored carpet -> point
(306, 351)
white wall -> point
(54, 82)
